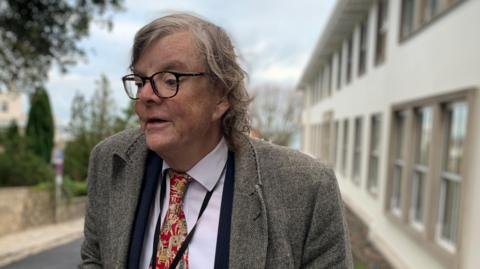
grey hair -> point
(218, 53)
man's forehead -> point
(175, 52)
(173, 65)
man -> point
(190, 189)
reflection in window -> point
(374, 157)
(357, 150)
(399, 162)
(349, 60)
(362, 56)
(335, 144)
(382, 18)
(345, 147)
(408, 17)
(423, 135)
(451, 176)
(339, 69)
(431, 9)
(457, 122)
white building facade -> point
(392, 102)
(11, 109)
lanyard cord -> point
(187, 240)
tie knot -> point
(179, 182)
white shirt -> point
(206, 173)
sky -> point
(274, 38)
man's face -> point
(188, 123)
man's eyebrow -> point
(174, 66)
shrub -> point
(74, 188)
(23, 168)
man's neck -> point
(184, 160)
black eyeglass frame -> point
(177, 75)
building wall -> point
(11, 108)
(442, 58)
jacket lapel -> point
(249, 230)
(127, 175)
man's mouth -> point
(155, 120)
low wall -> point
(24, 207)
(71, 209)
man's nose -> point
(147, 93)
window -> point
(4, 106)
(357, 151)
(362, 55)
(328, 82)
(345, 147)
(335, 144)
(426, 178)
(382, 18)
(423, 136)
(399, 162)
(326, 140)
(349, 60)
(418, 13)
(408, 17)
(374, 155)
(339, 70)
(431, 8)
(317, 138)
(321, 83)
(330, 77)
(451, 175)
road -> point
(62, 257)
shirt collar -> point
(209, 169)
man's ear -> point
(221, 107)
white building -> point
(11, 109)
(392, 102)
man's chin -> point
(158, 143)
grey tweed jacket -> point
(287, 210)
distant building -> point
(392, 103)
(12, 109)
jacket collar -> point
(128, 168)
(249, 230)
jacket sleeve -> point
(90, 251)
(327, 244)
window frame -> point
(363, 48)
(345, 144)
(420, 20)
(454, 177)
(349, 71)
(418, 167)
(381, 31)
(427, 237)
(357, 150)
(375, 121)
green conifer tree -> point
(40, 126)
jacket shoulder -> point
(281, 156)
(289, 167)
(120, 142)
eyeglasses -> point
(165, 84)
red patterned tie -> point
(174, 229)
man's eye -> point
(170, 82)
(138, 84)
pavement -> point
(19, 245)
